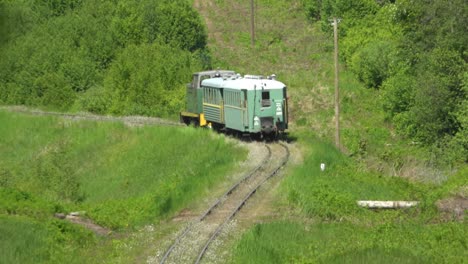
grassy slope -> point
(122, 177)
(330, 227)
(300, 54)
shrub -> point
(149, 80)
(373, 63)
(94, 100)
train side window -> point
(266, 99)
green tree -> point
(149, 79)
(54, 51)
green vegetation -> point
(332, 194)
(404, 87)
(287, 242)
(415, 53)
(340, 231)
(125, 57)
(380, 160)
(42, 240)
(122, 177)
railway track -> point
(204, 230)
(193, 242)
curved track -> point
(202, 232)
(194, 241)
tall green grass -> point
(123, 177)
(26, 240)
(332, 194)
(287, 242)
(342, 232)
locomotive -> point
(250, 105)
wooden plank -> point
(387, 204)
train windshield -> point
(266, 99)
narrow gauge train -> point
(251, 105)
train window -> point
(266, 99)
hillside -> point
(300, 53)
(124, 178)
(124, 58)
(142, 183)
(320, 221)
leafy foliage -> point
(148, 80)
(416, 53)
(54, 51)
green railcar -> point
(225, 100)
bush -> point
(55, 50)
(54, 90)
(94, 100)
(373, 63)
(149, 79)
(398, 94)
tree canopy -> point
(414, 53)
(124, 57)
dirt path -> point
(127, 120)
(188, 248)
(204, 7)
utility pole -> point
(252, 23)
(337, 90)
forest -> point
(118, 57)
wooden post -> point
(387, 204)
(337, 90)
(252, 23)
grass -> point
(335, 230)
(330, 227)
(288, 242)
(23, 236)
(332, 193)
(124, 178)
(129, 178)
(26, 240)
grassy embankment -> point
(330, 226)
(124, 178)
(334, 229)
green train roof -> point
(239, 83)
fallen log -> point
(387, 204)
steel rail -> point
(242, 203)
(216, 203)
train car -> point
(225, 100)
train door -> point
(192, 97)
(245, 113)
